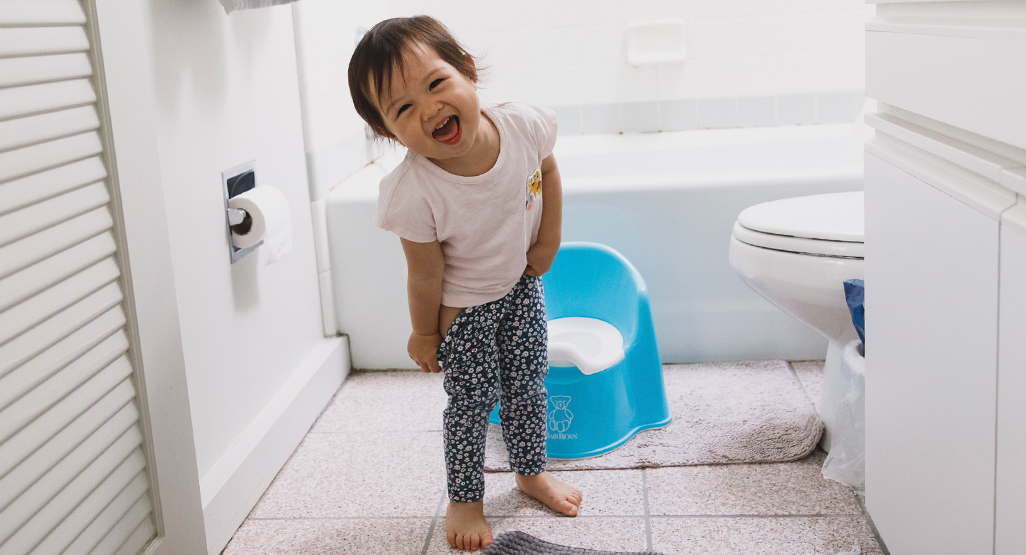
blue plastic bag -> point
(855, 295)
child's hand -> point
(539, 259)
(423, 350)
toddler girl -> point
(477, 206)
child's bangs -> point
(381, 74)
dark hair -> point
(379, 55)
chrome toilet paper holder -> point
(235, 181)
(236, 216)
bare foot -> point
(466, 527)
(556, 495)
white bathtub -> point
(667, 201)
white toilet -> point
(796, 253)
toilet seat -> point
(798, 245)
(587, 343)
(822, 225)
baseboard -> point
(233, 486)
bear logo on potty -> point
(560, 417)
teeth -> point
(442, 124)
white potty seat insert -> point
(587, 343)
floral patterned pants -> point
(495, 351)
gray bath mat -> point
(738, 412)
(519, 543)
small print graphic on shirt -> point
(534, 187)
(560, 418)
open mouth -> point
(449, 131)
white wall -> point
(750, 62)
(259, 369)
(335, 136)
(326, 34)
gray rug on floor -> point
(738, 412)
(519, 543)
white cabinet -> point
(1011, 413)
(931, 365)
(946, 277)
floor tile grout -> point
(648, 519)
(438, 431)
(294, 518)
(434, 522)
(762, 516)
(797, 378)
(542, 517)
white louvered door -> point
(73, 470)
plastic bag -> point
(846, 462)
(855, 295)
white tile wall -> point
(598, 84)
(570, 54)
(637, 84)
(599, 118)
(599, 12)
(678, 115)
(717, 112)
(837, 107)
(326, 33)
(639, 116)
(796, 109)
(775, 62)
(678, 81)
(602, 44)
(757, 112)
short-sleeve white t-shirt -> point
(484, 223)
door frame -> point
(124, 81)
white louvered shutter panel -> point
(73, 471)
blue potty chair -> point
(605, 379)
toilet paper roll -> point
(272, 221)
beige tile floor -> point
(369, 479)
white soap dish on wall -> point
(656, 42)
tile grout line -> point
(763, 516)
(794, 374)
(581, 517)
(374, 432)
(434, 521)
(270, 518)
(648, 515)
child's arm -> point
(543, 252)
(424, 264)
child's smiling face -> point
(431, 108)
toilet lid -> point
(799, 245)
(829, 217)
